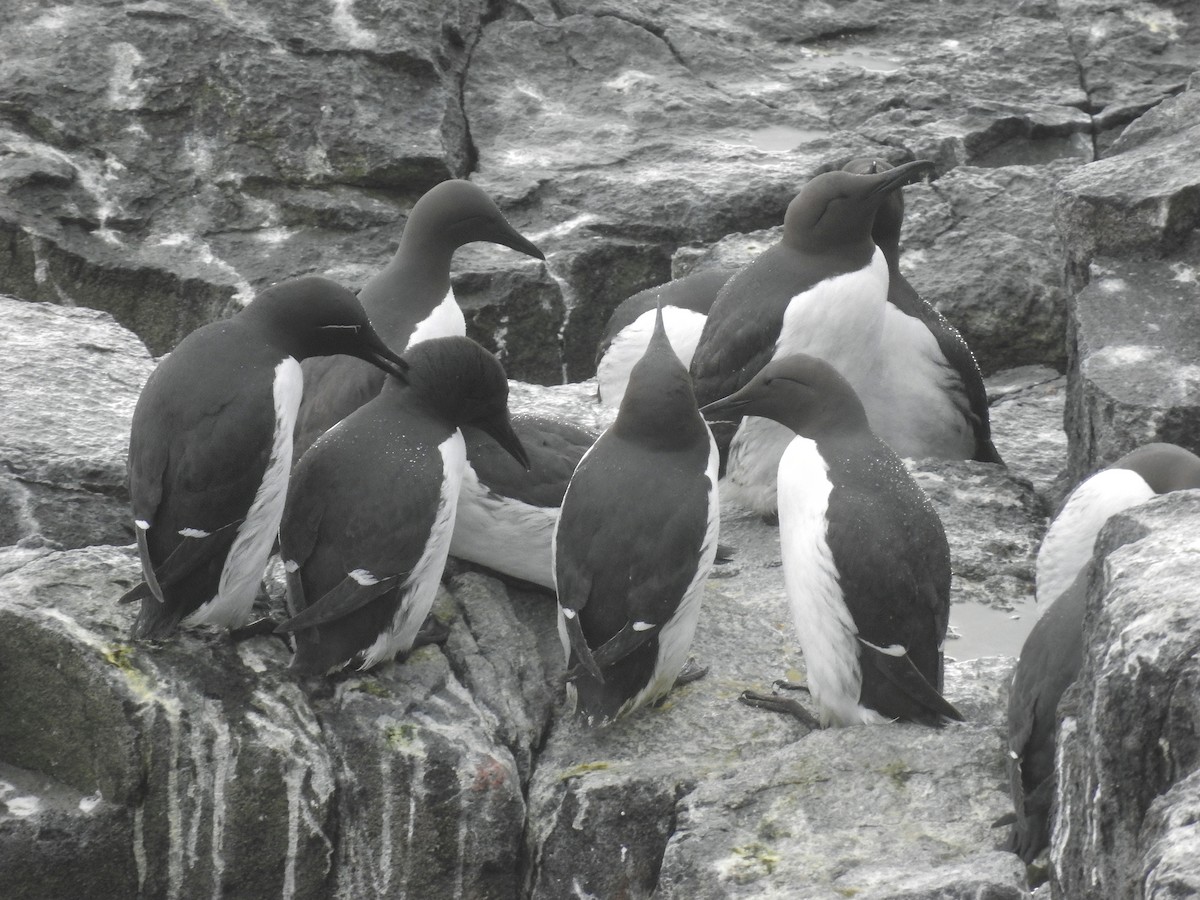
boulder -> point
(1129, 755)
(68, 387)
(1134, 376)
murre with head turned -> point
(865, 558)
(371, 507)
(211, 448)
(410, 299)
(635, 542)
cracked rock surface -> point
(161, 161)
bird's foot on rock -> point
(691, 671)
(784, 685)
(258, 628)
(433, 631)
(774, 703)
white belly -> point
(683, 327)
(247, 559)
(824, 626)
(506, 535)
(420, 589)
(1068, 544)
(445, 320)
(914, 402)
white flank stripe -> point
(419, 590)
(824, 627)
(193, 533)
(893, 650)
(642, 626)
(247, 559)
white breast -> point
(445, 320)
(247, 558)
(824, 626)
(683, 327)
(914, 401)
(840, 321)
(420, 589)
(504, 534)
(1069, 542)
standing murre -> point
(211, 447)
(371, 507)
(926, 398)
(635, 542)
(865, 558)
(821, 290)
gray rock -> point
(1138, 202)
(888, 811)
(1027, 405)
(1133, 376)
(68, 386)
(1128, 744)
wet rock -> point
(1126, 807)
(1134, 378)
(68, 387)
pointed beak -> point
(901, 175)
(501, 430)
(726, 409)
(378, 354)
(516, 241)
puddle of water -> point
(781, 138)
(987, 631)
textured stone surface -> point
(1128, 746)
(1135, 360)
(68, 386)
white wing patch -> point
(247, 557)
(444, 320)
(683, 327)
(419, 590)
(1069, 542)
(824, 626)
(363, 577)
